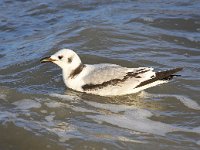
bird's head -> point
(64, 58)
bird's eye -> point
(60, 57)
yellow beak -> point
(47, 59)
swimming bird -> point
(106, 79)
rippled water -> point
(38, 112)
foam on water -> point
(198, 142)
(134, 119)
(71, 98)
(193, 38)
(62, 129)
(196, 130)
(122, 116)
(121, 138)
(49, 118)
(148, 19)
(131, 117)
(110, 107)
(54, 104)
(6, 116)
(137, 120)
(81, 109)
(3, 97)
(27, 104)
(188, 102)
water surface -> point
(37, 111)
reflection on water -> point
(36, 109)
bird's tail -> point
(162, 75)
(167, 74)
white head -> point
(67, 59)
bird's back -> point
(108, 79)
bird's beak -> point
(47, 59)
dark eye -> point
(60, 57)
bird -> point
(106, 79)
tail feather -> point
(163, 75)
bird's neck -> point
(69, 77)
(76, 71)
(72, 73)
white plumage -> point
(105, 79)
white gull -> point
(106, 79)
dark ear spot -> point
(69, 60)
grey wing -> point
(108, 72)
(103, 73)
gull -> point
(106, 79)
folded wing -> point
(114, 75)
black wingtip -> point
(168, 73)
(162, 75)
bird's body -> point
(106, 79)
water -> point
(38, 112)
